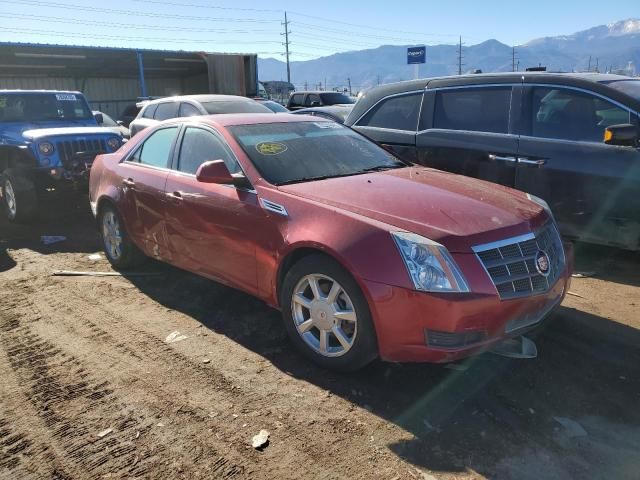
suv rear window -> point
(483, 109)
(296, 100)
(397, 113)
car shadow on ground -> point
(490, 414)
(607, 263)
(67, 216)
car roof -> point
(315, 91)
(230, 119)
(596, 81)
(200, 98)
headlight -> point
(429, 264)
(113, 143)
(542, 203)
(45, 148)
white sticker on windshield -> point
(327, 125)
(66, 97)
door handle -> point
(128, 183)
(535, 163)
(175, 197)
(502, 158)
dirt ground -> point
(91, 388)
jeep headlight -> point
(45, 148)
(113, 143)
(543, 204)
(429, 264)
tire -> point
(121, 252)
(309, 316)
(19, 196)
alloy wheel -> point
(324, 315)
(10, 199)
(112, 234)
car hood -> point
(20, 132)
(53, 132)
(457, 211)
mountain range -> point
(605, 47)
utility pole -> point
(513, 59)
(306, 85)
(460, 64)
(589, 67)
(597, 64)
(325, 83)
(286, 44)
(349, 82)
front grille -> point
(437, 339)
(511, 263)
(70, 150)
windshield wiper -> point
(310, 179)
(382, 168)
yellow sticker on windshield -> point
(271, 148)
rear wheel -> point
(326, 315)
(19, 196)
(118, 247)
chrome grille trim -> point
(510, 263)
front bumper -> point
(404, 319)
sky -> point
(317, 28)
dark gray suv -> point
(571, 139)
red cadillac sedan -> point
(365, 255)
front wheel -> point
(326, 315)
(19, 196)
(118, 247)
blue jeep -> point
(48, 140)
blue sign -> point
(416, 55)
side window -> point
(296, 100)
(166, 111)
(397, 113)
(188, 110)
(476, 109)
(199, 146)
(156, 149)
(311, 99)
(149, 111)
(571, 115)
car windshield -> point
(303, 151)
(334, 98)
(630, 87)
(43, 107)
(229, 106)
(274, 106)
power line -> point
(195, 5)
(37, 3)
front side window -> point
(296, 100)
(188, 110)
(397, 113)
(156, 149)
(312, 98)
(572, 115)
(24, 107)
(199, 146)
(304, 151)
(166, 111)
(483, 109)
(150, 111)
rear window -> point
(334, 98)
(296, 100)
(397, 113)
(473, 109)
(228, 106)
(166, 111)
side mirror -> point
(624, 135)
(99, 118)
(214, 171)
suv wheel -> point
(19, 196)
(326, 315)
(118, 247)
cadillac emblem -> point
(543, 266)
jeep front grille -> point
(511, 263)
(70, 149)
